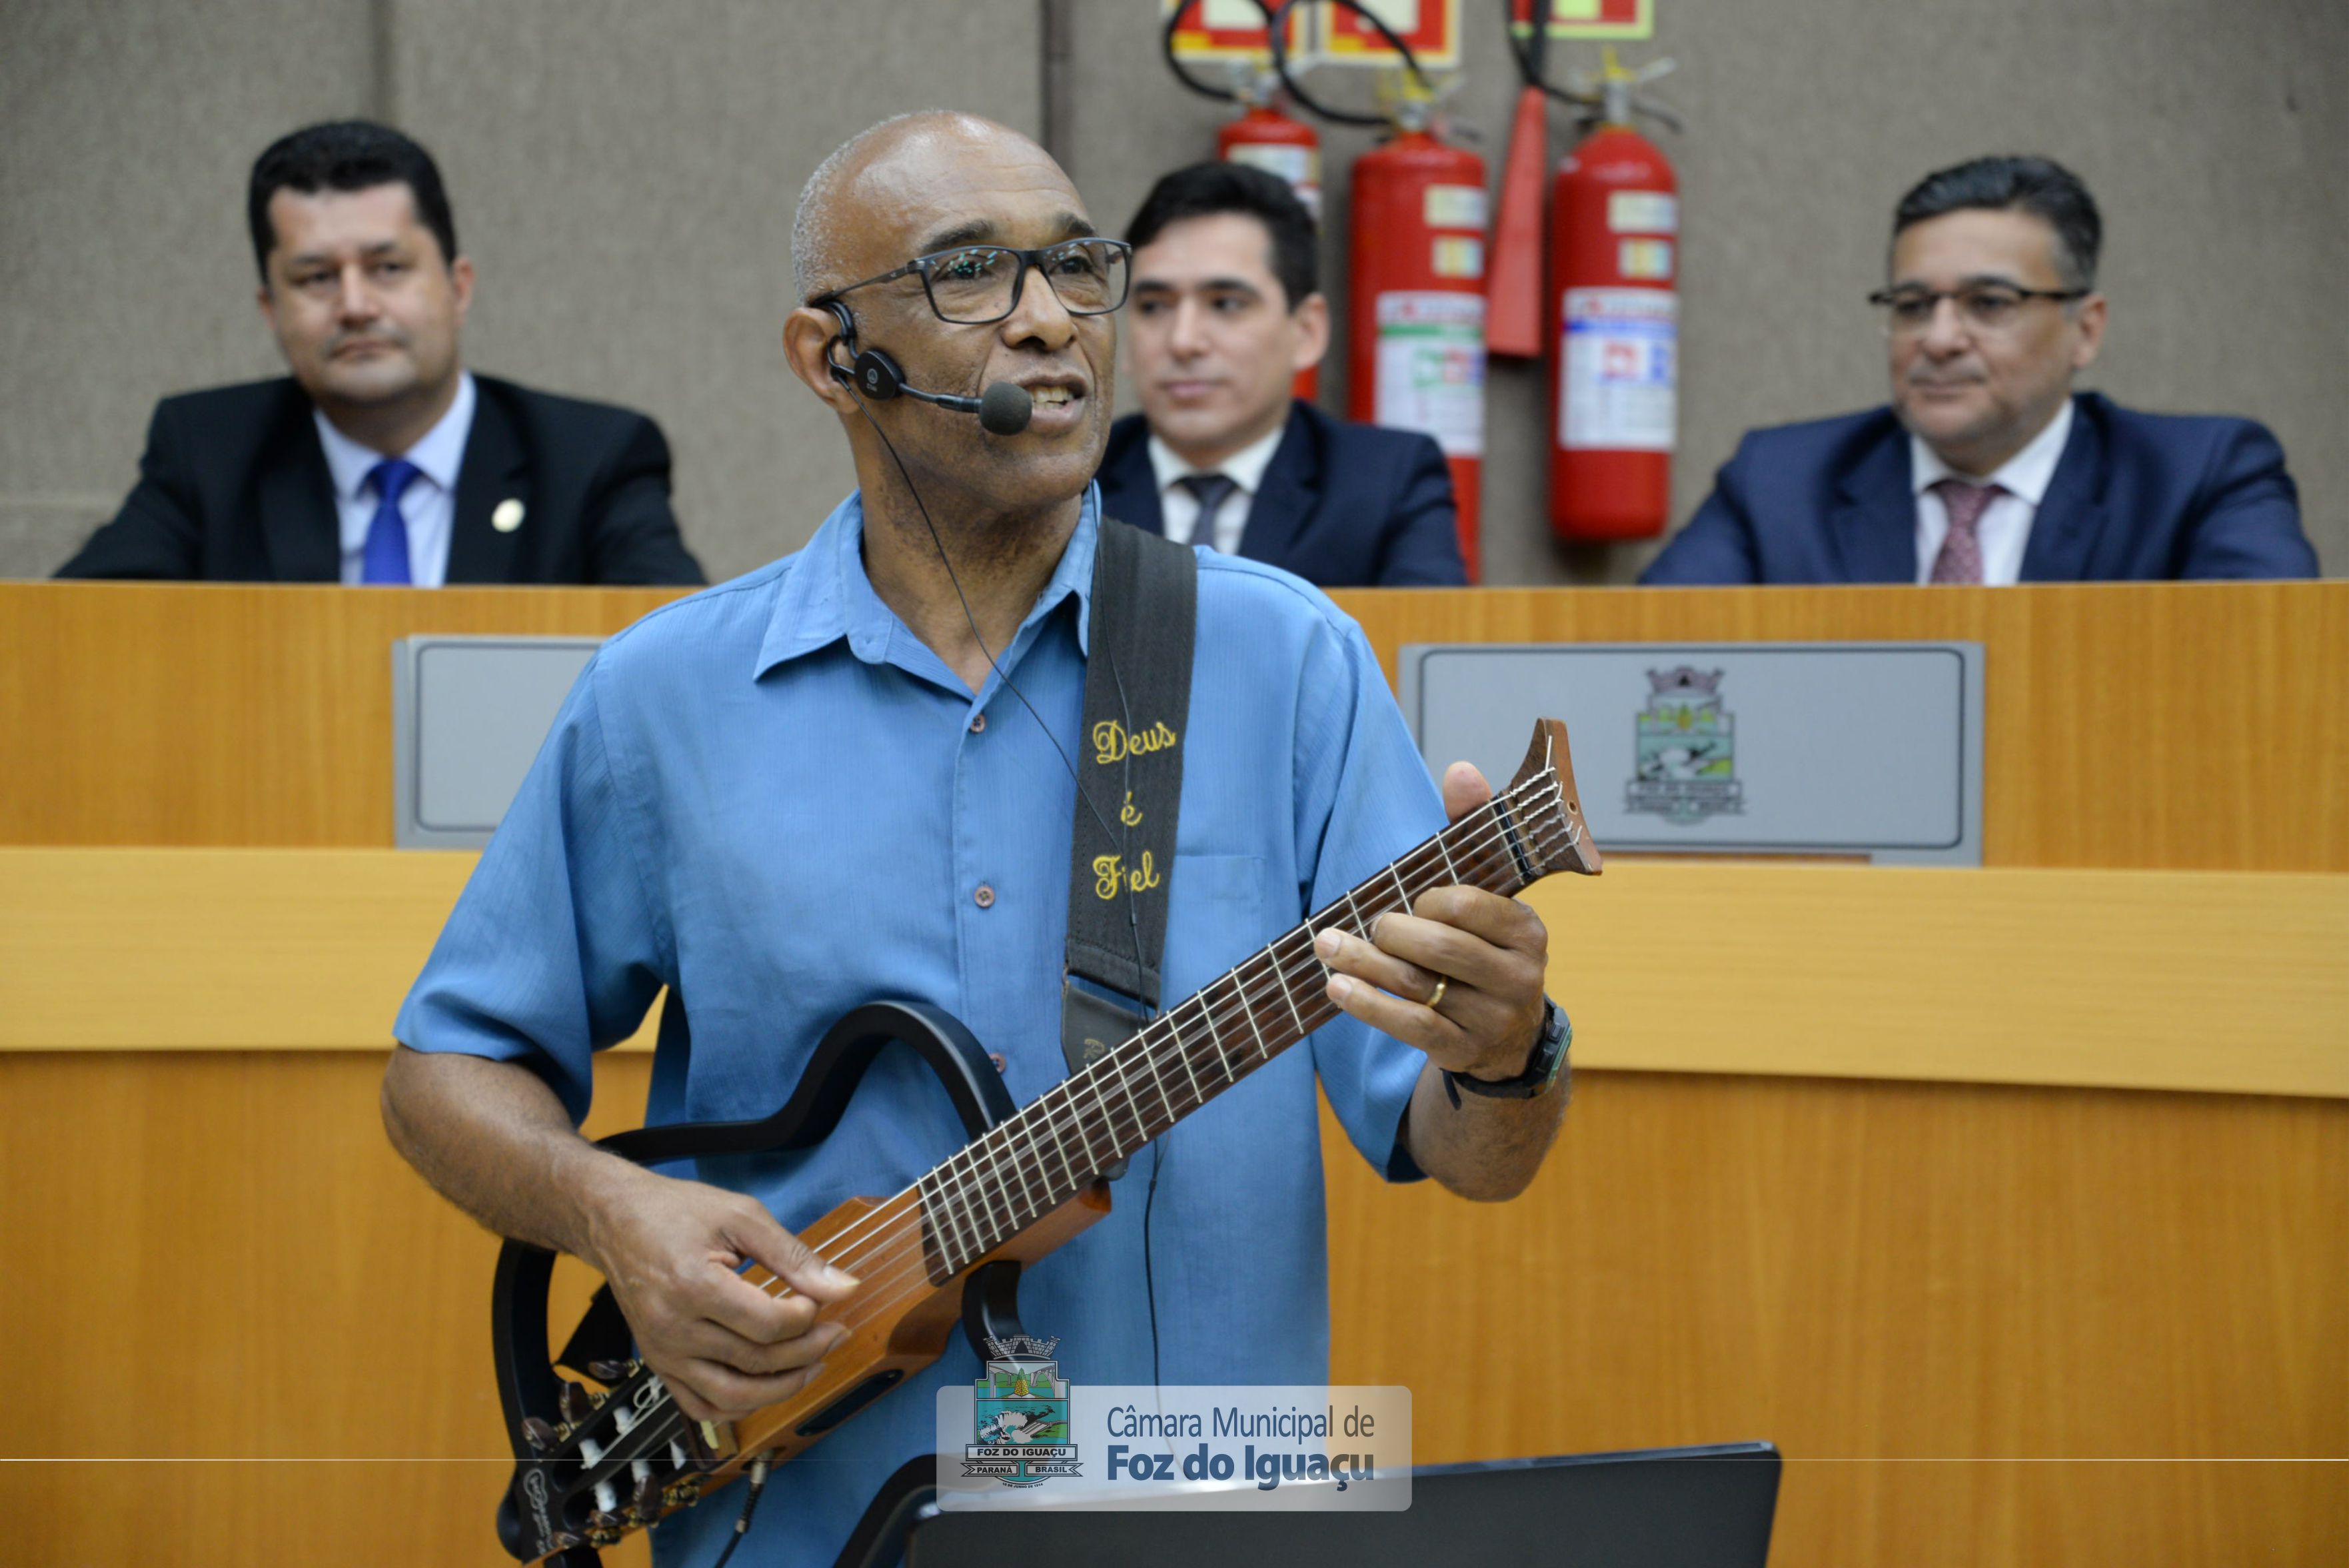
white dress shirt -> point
(2005, 526)
(1178, 509)
(428, 504)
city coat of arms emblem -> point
(1685, 758)
(1022, 1416)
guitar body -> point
(552, 1509)
(880, 1354)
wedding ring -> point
(1443, 984)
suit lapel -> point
(495, 471)
(300, 528)
(1874, 525)
(1284, 502)
(2072, 514)
(1129, 486)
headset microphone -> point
(1003, 410)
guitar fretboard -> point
(1062, 1143)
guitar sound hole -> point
(848, 1404)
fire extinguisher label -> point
(1643, 212)
(1454, 207)
(1301, 166)
(1618, 372)
(1432, 367)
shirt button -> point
(978, 724)
(983, 897)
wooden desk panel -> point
(2154, 725)
(215, 714)
(1926, 1293)
(2179, 723)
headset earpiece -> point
(870, 371)
(878, 376)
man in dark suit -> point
(1222, 315)
(1987, 468)
(382, 460)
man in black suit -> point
(382, 460)
(1224, 312)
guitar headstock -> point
(1561, 840)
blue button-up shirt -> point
(774, 797)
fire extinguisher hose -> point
(1174, 61)
(1278, 26)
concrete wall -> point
(623, 176)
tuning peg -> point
(541, 1433)
(577, 1403)
(609, 1372)
(646, 1504)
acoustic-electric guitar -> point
(606, 1451)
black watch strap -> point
(1542, 1067)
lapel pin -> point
(508, 517)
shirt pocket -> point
(1219, 915)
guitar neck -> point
(1064, 1140)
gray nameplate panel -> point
(1835, 748)
(468, 716)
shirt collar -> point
(1244, 467)
(437, 456)
(827, 595)
(2026, 475)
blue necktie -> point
(385, 558)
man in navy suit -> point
(1222, 315)
(381, 460)
(1987, 468)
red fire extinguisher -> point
(1613, 310)
(1416, 274)
(1417, 320)
(1277, 144)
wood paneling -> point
(1936, 1298)
(2193, 980)
(216, 714)
(2157, 725)
(1942, 1301)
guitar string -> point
(882, 1228)
(1243, 987)
(885, 1226)
(959, 1189)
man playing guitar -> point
(850, 774)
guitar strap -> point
(1144, 621)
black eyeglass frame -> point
(1028, 260)
(1932, 298)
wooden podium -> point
(2013, 1204)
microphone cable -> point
(1133, 915)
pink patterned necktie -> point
(1960, 559)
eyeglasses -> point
(974, 284)
(1985, 307)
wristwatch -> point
(1542, 1067)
